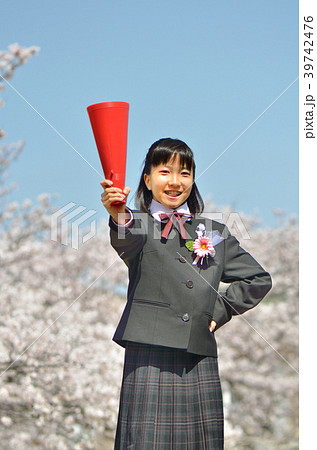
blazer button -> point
(189, 284)
(182, 259)
(185, 317)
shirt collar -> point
(157, 208)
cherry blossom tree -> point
(59, 370)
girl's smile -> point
(170, 183)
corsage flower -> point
(203, 245)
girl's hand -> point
(112, 195)
(212, 326)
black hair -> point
(160, 153)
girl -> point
(171, 394)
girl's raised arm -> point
(113, 195)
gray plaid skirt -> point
(170, 399)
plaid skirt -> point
(170, 400)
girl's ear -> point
(147, 181)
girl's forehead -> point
(172, 166)
(174, 162)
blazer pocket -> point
(142, 301)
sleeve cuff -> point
(127, 225)
(222, 312)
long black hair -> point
(160, 153)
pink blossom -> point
(202, 248)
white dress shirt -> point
(156, 208)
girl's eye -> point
(164, 171)
(185, 173)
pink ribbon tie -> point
(171, 216)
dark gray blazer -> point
(172, 302)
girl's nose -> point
(174, 179)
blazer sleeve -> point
(128, 241)
(249, 282)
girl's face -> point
(170, 183)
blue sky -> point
(199, 71)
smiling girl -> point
(171, 394)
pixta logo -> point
(66, 224)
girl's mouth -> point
(172, 193)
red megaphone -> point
(109, 122)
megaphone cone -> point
(109, 122)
